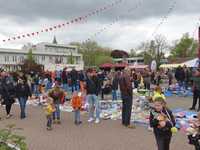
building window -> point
(51, 49)
(50, 58)
(37, 58)
(6, 57)
(43, 58)
(46, 48)
(56, 49)
(14, 57)
(61, 59)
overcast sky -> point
(22, 17)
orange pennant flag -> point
(46, 30)
(63, 24)
(119, 0)
(80, 18)
(76, 20)
(14, 38)
(28, 34)
(104, 7)
(41, 30)
(4, 40)
(89, 14)
(8, 39)
(68, 23)
(33, 34)
(50, 29)
(72, 21)
(59, 26)
(100, 9)
(37, 32)
(93, 12)
(115, 2)
(112, 4)
(18, 37)
(55, 27)
(23, 36)
(85, 15)
(108, 5)
(97, 11)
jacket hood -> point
(116, 79)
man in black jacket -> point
(93, 90)
(180, 77)
(64, 76)
(15, 76)
(73, 75)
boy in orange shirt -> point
(77, 104)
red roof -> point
(107, 65)
(122, 65)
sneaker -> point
(53, 121)
(79, 123)
(150, 128)
(49, 129)
(97, 120)
(75, 123)
(91, 119)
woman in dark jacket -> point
(115, 87)
(196, 95)
(7, 91)
(22, 91)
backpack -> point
(84, 76)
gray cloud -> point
(22, 17)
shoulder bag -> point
(11, 96)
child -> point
(163, 136)
(158, 92)
(36, 85)
(77, 104)
(49, 112)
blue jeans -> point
(181, 84)
(114, 95)
(77, 114)
(94, 100)
(57, 112)
(135, 83)
(22, 102)
(170, 81)
(36, 87)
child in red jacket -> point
(77, 104)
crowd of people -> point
(16, 85)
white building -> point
(45, 53)
(130, 61)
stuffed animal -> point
(192, 131)
(165, 120)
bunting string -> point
(61, 25)
(111, 23)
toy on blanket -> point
(165, 120)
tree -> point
(30, 56)
(160, 44)
(70, 59)
(180, 46)
(30, 64)
(103, 59)
(119, 54)
(91, 51)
